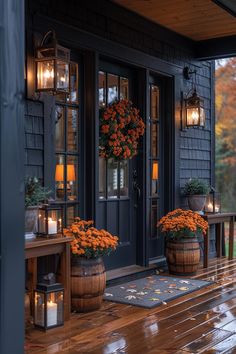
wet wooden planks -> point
(200, 322)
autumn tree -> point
(225, 90)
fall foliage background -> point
(225, 94)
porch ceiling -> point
(196, 19)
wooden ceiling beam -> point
(216, 48)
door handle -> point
(137, 189)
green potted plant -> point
(196, 191)
(182, 229)
(35, 194)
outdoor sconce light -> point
(52, 65)
(59, 178)
(50, 220)
(48, 305)
(213, 203)
(193, 108)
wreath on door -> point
(121, 127)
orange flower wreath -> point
(120, 129)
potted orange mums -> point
(88, 276)
(182, 229)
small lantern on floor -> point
(49, 306)
(50, 220)
(52, 65)
(213, 204)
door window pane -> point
(154, 218)
(112, 176)
(124, 178)
(124, 88)
(72, 177)
(154, 139)
(154, 102)
(102, 178)
(73, 96)
(72, 129)
(155, 178)
(60, 177)
(59, 128)
(112, 81)
(102, 89)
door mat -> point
(153, 290)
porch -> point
(201, 322)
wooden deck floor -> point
(201, 322)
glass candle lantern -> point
(195, 113)
(155, 177)
(48, 306)
(52, 65)
(50, 220)
(213, 204)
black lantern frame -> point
(193, 112)
(52, 66)
(50, 220)
(213, 202)
(48, 306)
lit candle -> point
(217, 208)
(210, 207)
(52, 226)
(51, 313)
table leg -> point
(206, 249)
(231, 238)
(65, 279)
(219, 239)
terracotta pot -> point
(183, 256)
(196, 202)
(88, 282)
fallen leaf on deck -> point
(108, 294)
(154, 299)
(183, 288)
(131, 290)
(142, 293)
(130, 297)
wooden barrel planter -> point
(88, 282)
(183, 256)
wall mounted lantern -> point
(193, 113)
(52, 65)
(213, 202)
(48, 305)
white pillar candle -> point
(210, 207)
(52, 226)
(51, 313)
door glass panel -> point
(102, 178)
(154, 218)
(154, 102)
(72, 129)
(155, 178)
(102, 89)
(124, 88)
(113, 82)
(124, 178)
(72, 177)
(60, 177)
(112, 176)
(59, 128)
(154, 139)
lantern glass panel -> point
(155, 178)
(73, 96)
(62, 76)
(193, 116)
(45, 75)
(42, 228)
(39, 308)
(202, 117)
(54, 221)
(54, 302)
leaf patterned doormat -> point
(153, 290)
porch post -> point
(11, 176)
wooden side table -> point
(218, 220)
(47, 246)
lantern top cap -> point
(49, 287)
(50, 49)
